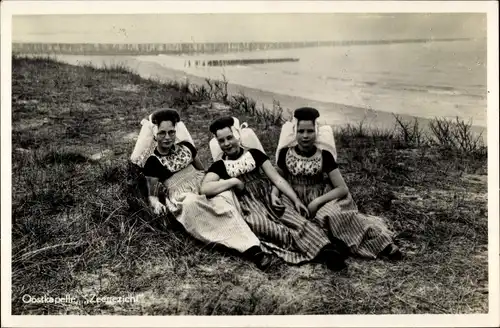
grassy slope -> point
(74, 233)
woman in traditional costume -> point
(175, 164)
(249, 172)
(304, 160)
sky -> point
(167, 28)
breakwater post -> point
(189, 48)
(229, 62)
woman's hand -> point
(276, 202)
(313, 207)
(301, 208)
(238, 184)
(158, 208)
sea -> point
(431, 79)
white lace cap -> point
(324, 137)
(246, 136)
(146, 143)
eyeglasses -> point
(163, 134)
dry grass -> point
(78, 227)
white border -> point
(177, 7)
(143, 7)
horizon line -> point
(265, 42)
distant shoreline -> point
(331, 113)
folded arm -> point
(213, 185)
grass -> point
(80, 227)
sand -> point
(331, 113)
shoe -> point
(252, 252)
(264, 261)
(333, 259)
(392, 253)
(336, 265)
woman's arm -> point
(194, 153)
(153, 185)
(212, 184)
(278, 181)
(274, 190)
(284, 187)
(339, 188)
(198, 164)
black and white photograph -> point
(190, 160)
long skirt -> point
(214, 220)
(288, 235)
(364, 235)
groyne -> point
(229, 62)
(189, 48)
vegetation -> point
(80, 227)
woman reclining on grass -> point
(289, 235)
(176, 166)
(330, 204)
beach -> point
(265, 92)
